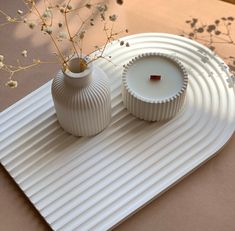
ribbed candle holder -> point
(154, 86)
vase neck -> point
(80, 80)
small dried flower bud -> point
(230, 18)
(113, 17)
(211, 28)
(88, 6)
(127, 44)
(212, 48)
(48, 30)
(1, 64)
(43, 26)
(102, 8)
(29, 1)
(69, 7)
(1, 58)
(20, 12)
(12, 83)
(24, 53)
(62, 35)
(36, 61)
(81, 35)
(122, 43)
(9, 19)
(120, 2)
(31, 25)
(200, 30)
(60, 24)
(99, 8)
(102, 16)
(105, 7)
(62, 10)
(47, 14)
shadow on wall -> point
(217, 35)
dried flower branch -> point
(49, 26)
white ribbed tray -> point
(94, 183)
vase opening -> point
(75, 76)
(77, 65)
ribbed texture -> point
(83, 111)
(93, 183)
(153, 110)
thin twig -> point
(51, 36)
(68, 30)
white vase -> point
(82, 100)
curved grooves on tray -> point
(140, 153)
(90, 186)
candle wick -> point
(155, 77)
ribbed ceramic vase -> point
(82, 100)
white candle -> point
(139, 81)
(154, 86)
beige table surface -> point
(205, 200)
